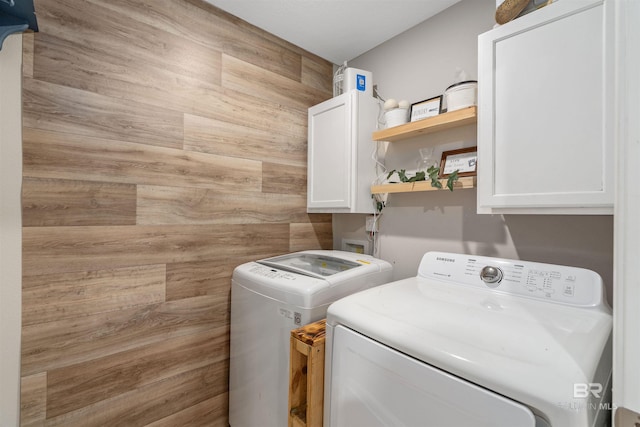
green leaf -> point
(418, 177)
(403, 175)
(453, 177)
(433, 172)
(391, 173)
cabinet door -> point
(545, 137)
(331, 136)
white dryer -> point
(472, 341)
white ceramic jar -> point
(461, 95)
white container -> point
(347, 79)
(395, 117)
(461, 95)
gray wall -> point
(417, 65)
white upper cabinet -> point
(545, 131)
(341, 167)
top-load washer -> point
(271, 297)
(472, 341)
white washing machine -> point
(271, 297)
(472, 341)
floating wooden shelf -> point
(437, 123)
(408, 187)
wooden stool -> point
(306, 375)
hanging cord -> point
(379, 200)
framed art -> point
(464, 160)
(427, 108)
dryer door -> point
(374, 385)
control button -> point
(491, 276)
(568, 290)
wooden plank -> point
(284, 179)
(243, 109)
(243, 140)
(301, 347)
(96, 52)
(247, 28)
(51, 202)
(246, 109)
(315, 384)
(62, 343)
(297, 380)
(175, 205)
(61, 61)
(247, 78)
(312, 334)
(133, 77)
(33, 400)
(83, 384)
(189, 82)
(58, 108)
(153, 402)
(317, 73)
(28, 43)
(311, 236)
(437, 123)
(192, 279)
(215, 29)
(68, 156)
(127, 42)
(59, 249)
(52, 297)
(213, 412)
(407, 187)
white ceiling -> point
(336, 30)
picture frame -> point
(428, 108)
(464, 160)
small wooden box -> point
(306, 375)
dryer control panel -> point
(554, 283)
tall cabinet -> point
(341, 167)
(545, 128)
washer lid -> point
(318, 265)
(312, 278)
(529, 349)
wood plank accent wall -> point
(164, 144)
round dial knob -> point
(491, 275)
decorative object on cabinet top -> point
(507, 10)
(437, 123)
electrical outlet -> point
(370, 225)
